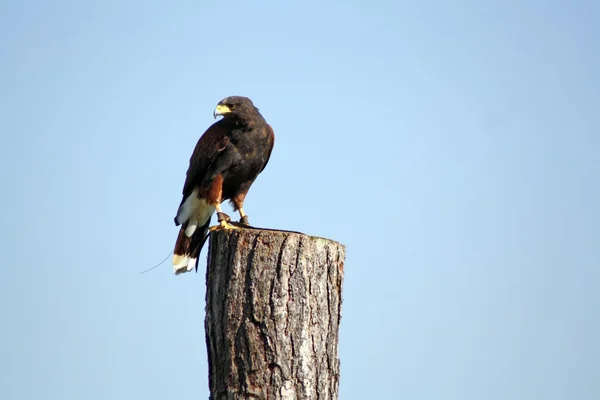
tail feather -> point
(181, 252)
(187, 249)
(198, 240)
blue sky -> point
(453, 147)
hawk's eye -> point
(231, 106)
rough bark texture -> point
(273, 308)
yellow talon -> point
(222, 225)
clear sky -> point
(452, 146)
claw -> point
(224, 224)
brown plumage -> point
(226, 160)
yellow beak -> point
(221, 110)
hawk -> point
(227, 159)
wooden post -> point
(273, 308)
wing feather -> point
(271, 135)
(206, 152)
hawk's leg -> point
(243, 217)
(238, 205)
(223, 220)
(215, 196)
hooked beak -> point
(221, 110)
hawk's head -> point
(235, 106)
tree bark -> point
(273, 309)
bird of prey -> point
(227, 159)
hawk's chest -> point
(248, 143)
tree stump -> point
(273, 309)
